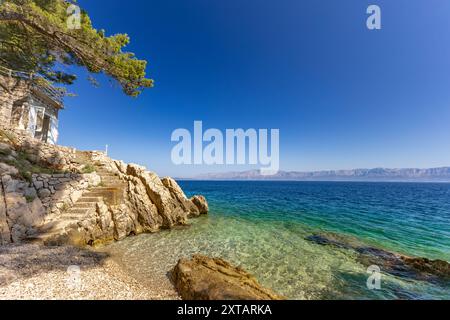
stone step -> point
(84, 205)
(107, 188)
(116, 180)
(111, 187)
(99, 194)
(90, 199)
(76, 217)
(103, 171)
(81, 161)
(102, 175)
(111, 183)
(77, 211)
(102, 193)
(113, 179)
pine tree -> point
(37, 36)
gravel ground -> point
(31, 271)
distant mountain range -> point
(377, 174)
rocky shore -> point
(57, 204)
(57, 195)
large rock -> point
(5, 148)
(124, 221)
(204, 278)
(140, 203)
(17, 208)
(168, 208)
(201, 204)
(178, 195)
(37, 214)
(93, 179)
(58, 207)
(7, 169)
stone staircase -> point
(58, 229)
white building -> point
(30, 104)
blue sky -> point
(342, 96)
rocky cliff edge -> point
(58, 195)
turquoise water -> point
(262, 227)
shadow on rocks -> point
(28, 260)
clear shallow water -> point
(262, 226)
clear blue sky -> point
(341, 95)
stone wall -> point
(59, 192)
(53, 156)
(18, 89)
(24, 205)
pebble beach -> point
(35, 272)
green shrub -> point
(89, 168)
(24, 156)
(27, 176)
(30, 199)
(65, 207)
(5, 152)
(26, 168)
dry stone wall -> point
(18, 89)
(25, 205)
(52, 156)
(26, 200)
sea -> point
(266, 228)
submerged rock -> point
(436, 267)
(327, 240)
(204, 278)
(389, 262)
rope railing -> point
(38, 81)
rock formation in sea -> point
(204, 278)
(58, 195)
(393, 263)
